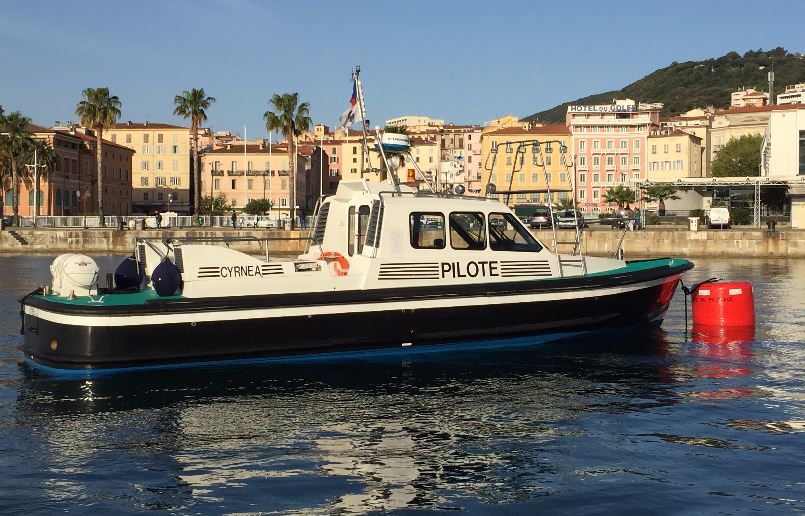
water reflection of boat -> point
(383, 433)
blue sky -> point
(465, 62)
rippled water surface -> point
(643, 423)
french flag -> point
(348, 116)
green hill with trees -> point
(684, 86)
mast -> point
(362, 112)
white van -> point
(719, 218)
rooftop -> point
(561, 129)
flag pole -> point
(362, 109)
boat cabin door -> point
(357, 222)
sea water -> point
(651, 422)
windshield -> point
(506, 234)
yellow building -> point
(520, 164)
(162, 170)
(673, 155)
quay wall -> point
(651, 242)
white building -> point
(783, 155)
(749, 97)
(793, 94)
(415, 121)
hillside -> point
(684, 86)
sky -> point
(464, 62)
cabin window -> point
(363, 224)
(467, 231)
(427, 230)
(351, 231)
(506, 234)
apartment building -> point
(793, 94)
(529, 157)
(609, 146)
(673, 155)
(162, 176)
(70, 188)
(254, 171)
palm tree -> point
(565, 203)
(291, 118)
(98, 111)
(193, 105)
(660, 193)
(620, 195)
(15, 140)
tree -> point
(194, 104)
(565, 203)
(217, 205)
(98, 110)
(291, 118)
(15, 141)
(619, 195)
(258, 206)
(659, 193)
(740, 157)
(46, 158)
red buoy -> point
(724, 304)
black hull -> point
(70, 346)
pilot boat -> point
(389, 265)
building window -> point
(144, 181)
(624, 177)
(145, 196)
(547, 177)
(624, 144)
(160, 181)
(802, 153)
(508, 160)
(582, 145)
(176, 181)
(610, 161)
(582, 161)
(174, 149)
(284, 202)
(508, 146)
(610, 144)
(596, 178)
(160, 196)
(679, 147)
(636, 144)
(114, 138)
(233, 166)
(654, 149)
(216, 184)
(159, 138)
(145, 137)
(160, 149)
(174, 165)
(665, 148)
(548, 147)
(146, 149)
(636, 160)
(610, 177)
(582, 178)
(582, 194)
(128, 138)
(249, 184)
(159, 165)
(547, 158)
(624, 161)
(596, 161)
(595, 195)
(234, 184)
(143, 165)
(535, 178)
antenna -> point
(771, 83)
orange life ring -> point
(341, 264)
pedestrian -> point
(158, 218)
(628, 215)
(638, 222)
(234, 219)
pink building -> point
(609, 144)
(473, 162)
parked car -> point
(541, 218)
(567, 220)
(718, 218)
(7, 220)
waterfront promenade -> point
(647, 243)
